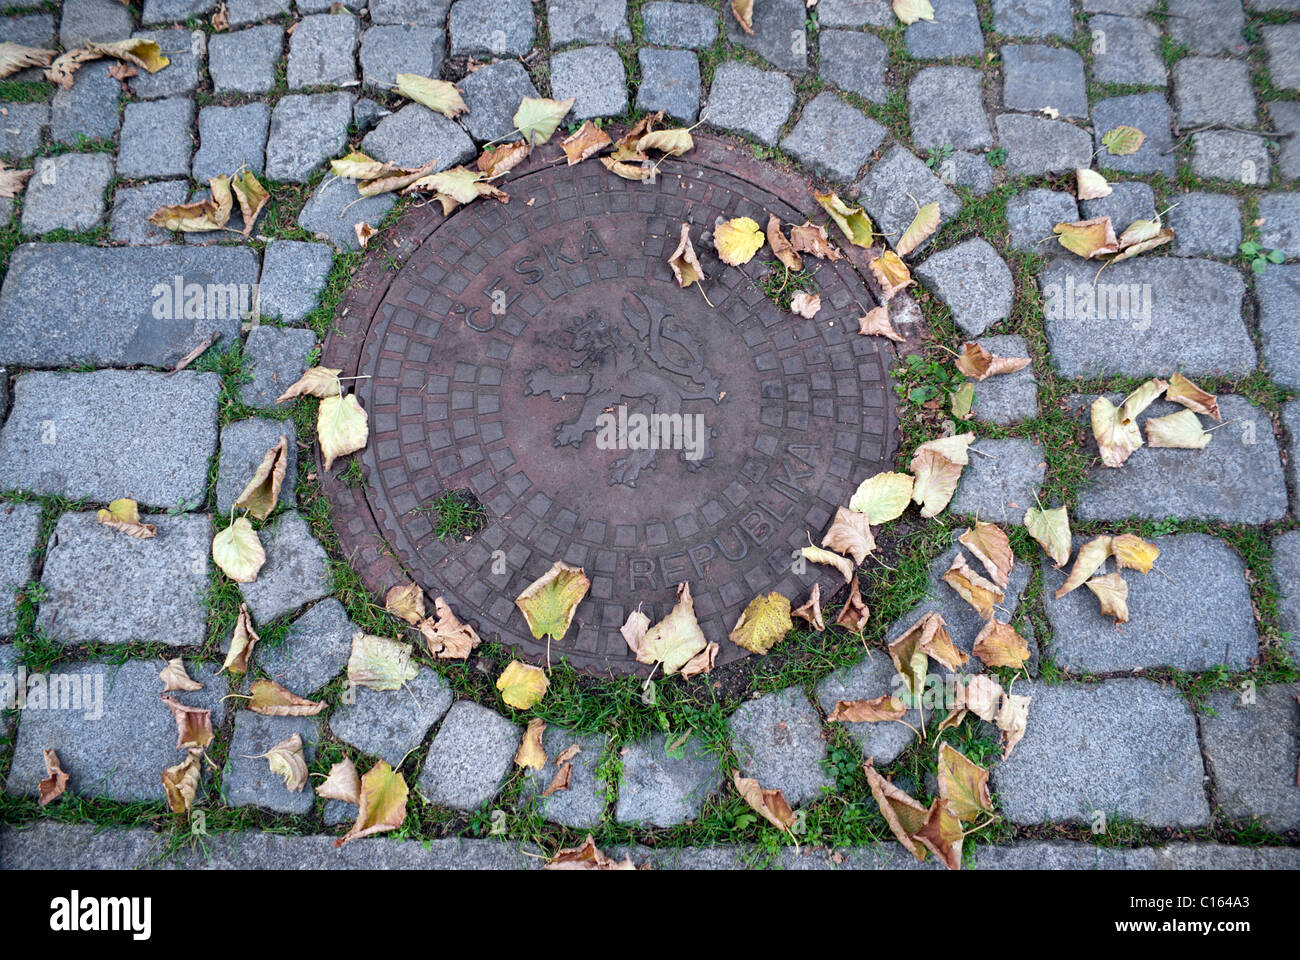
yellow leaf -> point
(437, 95)
(743, 11)
(286, 760)
(850, 533)
(763, 624)
(645, 173)
(548, 603)
(999, 645)
(1012, 720)
(383, 803)
(963, 783)
(676, 639)
(124, 515)
(1181, 390)
(911, 662)
(771, 805)
(1117, 438)
(316, 382)
(138, 50)
(980, 593)
(910, 11)
(891, 273)
(537, 118)
(961, 399)
(1087, 238)
(522, 685)
(380, 663)
(262, 493)
(737, 240)
(955, 448)
(238, 552)
(1091, 556)
(875, 323)
(396, 181)
(1181, 430)
(684, 263)
(342, 783)
(1133, 553)
(273, 700)
(817, 555)
(991, 548)
(587, 140)
(882, 497)
(494, 161)
(903, 814)
(1112, 591)
(1123, 140)
(252, 197)
(942, 834)
(531, 753)
(405, 601)
(241, 643)
(852, 221)
(358, 166)
(1051, 528)
(671, 142)
(781, 246)
(919, 230)
(203, 215)
(1091, 185)
(340, 427)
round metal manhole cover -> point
(540, 354)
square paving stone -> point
(1127, 202)
(66, 304)
(1251, 749)
(1237, 478)
(832, 138)
(593, 76)
(855, 13)
(274, 357)
(1286, 575)
(1282, 41)
(91, 109)
(1217, 856)
(415, 135)
(495, 27)
(60, 438)
(588, 21)
(428, 13)
(691, 25)
(854, 62)
(22, 126)
(1126, 50)
(1035, 145)
(954, 32)
(389, 724)
(779, 35)
(244, 444)
(1137, 733)
(962, 168)
(946, 107)
(1281, 227)
(247, 780)
(313, 652)
(660, 790)
(181, 75)
(469, 757)
(867, 679)
(492, 94)
(333, 209)
(1149, 112)
(973, 281)
(305, 132)
(231, 138)
(1207, 26)
(670, 81)
(778, 742)
(1000, 487)
(1010, 397)
(132, 206)
(245, 61)
(293, 274)
(1034, 18)
(93, 20)
(119, 747)
(323, 50)
(1196, 616)
(103, 587)
(20, 523)
(391, 49)
(242, 12)
(1285, 115)
(165, 11)
(1278, 293)
(1208, 90)
(1165, 315)
(1035, 76)
(296, 571)
(1230, 155)
(750, 100)
(157, 139)
(66, 192)
(366, 113)
(1031, 216)
(884, 191)
(582, 806)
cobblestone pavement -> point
(1172, 743)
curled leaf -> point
(771, 805)
(181, 782)
(1181, 390)
(852, 221)
(980, 593)
(812, 610)
(262, 493)
(342, 783)
(817, 555)
(341, 427)
(676, 639)
(537, 117)
(784, 251)
(587, 857)
(405, 601)
(684, 264)
(316, 382)
(55, 782)
(531, 753)
(891, 273)
(446, 636)
(902, 813)
(272, 700)
(242, 643)
(991, 548)
(805, 304)
(880, 710)
(999, 645)
(850, 533)
(437, 95)
(809, 237)
(743, 11)
(876, 323)
(1087, 238)
(586, 141)
(979, 364)
(855, 613)
(920, 229)
(124, 515)
(1112, 591)
(174, 677)
(1091, 556)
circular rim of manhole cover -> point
(796, 412)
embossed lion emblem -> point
(658, 372)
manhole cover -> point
(517, 340)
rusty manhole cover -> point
(509, 329)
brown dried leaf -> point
(882, 709)
(405, 601)
(124, 515)
(850, 533)
(991, 548)
(193, 726)
(55, 782)
(342, 783)
(781, 246)
(587, 856)
(942, 834)
(743, 11)
(771, 805)
(11, 180)
(976, 362)
(587, 140)
(1181, 390)
(494, 161)
(809, 237)
(805, 305)
(702, 662)
(531, 753)
(684, 264)
(15, 57)
(812, 610)
(262, 493)
(181, 782)
(174, 677)
(1089, 560)
(855, 614)
(875, 323)
(902, 813)
(447, 637)
(242, 643)
(272, 700)
(316, 382)
(998, 645)
(1012, 720)
(563, 774)
(1112, 591)
(980, 593)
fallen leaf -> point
(272, 700)
(961, 400)
(763, 623)
(549, 602)
(963, 783)
(181, 782)
(805, 305)
(15, 57)
(1087, 238)
(771, 805)
(316, 382)
(522, 685)
(55, 782)
(405, 601)
(634, 630)
(812, 610)
(495, 161)
(902, 813)
(672, 142)
(980, 593)
(630, 171)
(531, 753)
(356, 165)
(380, 663)
(910, 11)
(999, 645)
(737, 240)
(563, 774)
(200, 216)
(286, 760)
(676, 639)
(855, 613)
(882, 497)
(342, 783)
(1091, 556)
(991, 548)
(1051, 528)
(702, 662)
(364, 232)
(981, 695)
(1012, 720)
(262, 493)
(911, 663)
(1123, 140)
(875, 323)
(438, 95)
(919, 230)
(817, 555)
(137, 50)
(743, 11)
(241, 643)
(781, 246)
(979, 364)
(1183, 391)
(383, 803)
(891, 273)
(684, 264)
(252, 197)
(12, 181)
(942, 834)
(238, 552)
(60, 72)
(1133, 553)
(341, 427)
(1116, 437)
(852, 221)
(124, 515)
(936, 480)
(446, 636)
(537, 118)
(1091, 185)
(1112, 591)
(809, 237)
(175, 677)
(930, 636)
(1181, 430)
(1131, 248)
(850, 534)
(586, 857)
(587, 140)
(880, 710)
